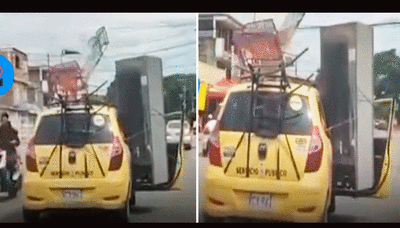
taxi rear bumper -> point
(299, 201)
(100, 193)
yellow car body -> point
(275, 186)
(88, 179)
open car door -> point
(384, 113)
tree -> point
(173, 89)
(386, 72)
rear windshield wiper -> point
(294, 116)
(277, 118)
(82, 132)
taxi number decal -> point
(266, 172)
(66, 173)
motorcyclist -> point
(9, 141)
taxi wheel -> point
(332, 207)
(120, 215)
(12, 193)
(324, 218)
(132, 202)
(211, 219)
(30, 215)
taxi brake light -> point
(314, 157)
(116, 154)
(214, 147)
(31, 165)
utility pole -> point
(183, 95)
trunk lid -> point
(268, 158)
(85, 162)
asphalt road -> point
(348, 209)
(176, 205)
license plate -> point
(261, 201)
(72, 194)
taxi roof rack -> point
(82, 104)
(256, 76)
(283, 85)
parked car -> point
(173, 131)
(381, 125)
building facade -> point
(23, 101)
(215, 40)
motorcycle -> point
(10, 183)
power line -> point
(132, 27)
(181, 54)
(179, 65)
(385, 23)
(373, 25)
(154, 40)
(153, 51)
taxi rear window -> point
(78, 129)
(267, 113)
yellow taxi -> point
(77, 160)
(282, 170)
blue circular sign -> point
(6, 75)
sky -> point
(170, 36)
(385, 37)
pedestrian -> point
(9, 141)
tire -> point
(211, 219)
(332, 207)
(324, 218)
(123, 213)
(30, 215)
(12, 193)
(132, 201)
(119, 215)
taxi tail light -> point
(116, 154)
(214, 147)
(31, 165)
(314, 157)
